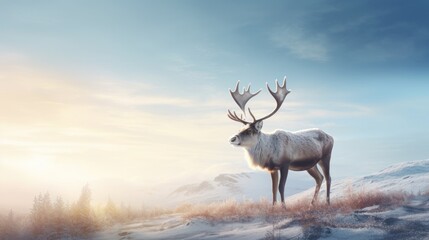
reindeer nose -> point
(235, 140)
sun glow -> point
(37, 165)
(59, 135)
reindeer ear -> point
(258, 125)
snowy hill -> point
(412, 177)
(240, 186)
(408, 221)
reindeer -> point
(281, 150)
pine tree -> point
(9, 227)
(41, 214)
(47, 211)
(59, 216)
(36, 218)
(83, 217)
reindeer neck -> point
(260, 154)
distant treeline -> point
(56, 219)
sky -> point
(135, 93)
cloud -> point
(302, 44)
(355, 32)
(59, 131)
(91, 124)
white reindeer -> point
(281, 150)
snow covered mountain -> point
(412, 177)
(240, 186)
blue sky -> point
(118, 83)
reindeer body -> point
(280, 151)
(301, 150)
(298, 151)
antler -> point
(279, 96)
(233, 116)
(241, 99)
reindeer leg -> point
(315, 173)
(275, 184)
(324, 164)
(283, 176)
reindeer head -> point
(248, 135)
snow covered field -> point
(406, 221)
(410, 221)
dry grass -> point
(354, 200)
(229, 210)
(153, 212)
(232, 210)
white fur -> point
(285, 147)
